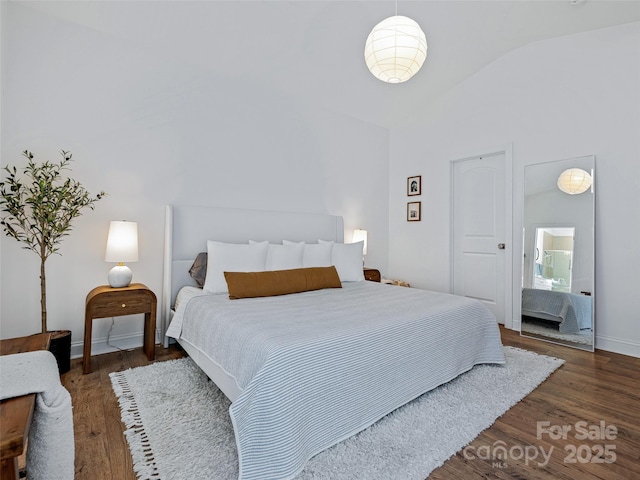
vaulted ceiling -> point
(315, 48)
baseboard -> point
(618, 345)
(117, 342)
(609, 344)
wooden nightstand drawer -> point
(121, 306)
(372, 275)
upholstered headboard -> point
(187, 229)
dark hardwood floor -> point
(592, 393)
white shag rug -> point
(548, 329)
(178, 426)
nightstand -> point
(372, 274)
(106, 301)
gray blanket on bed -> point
(318, 367)
(573, 311)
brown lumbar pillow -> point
(280, 282)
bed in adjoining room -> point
(307, 369)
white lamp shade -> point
(574, 181)
(122, 243)
(360, 235)
(395, 49)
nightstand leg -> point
(86, 352)
(9, 469)
(150, 334)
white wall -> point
(151, 130)
(552, 100)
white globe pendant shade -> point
(574, 181)
(395, 49)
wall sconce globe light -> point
(574, 181)
(395, 49)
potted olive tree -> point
(37, 211)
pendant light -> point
(395, 49)
(574, 181)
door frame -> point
(510, 288)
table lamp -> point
(360, 235)
(122, 246)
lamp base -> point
(120, 276)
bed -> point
(572, 311)
(307, 370)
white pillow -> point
(314, 254)
(232, 257)
(347, 258)
(283, 257)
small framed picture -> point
(414, 185)
(413, 211)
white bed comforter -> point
(317, 367)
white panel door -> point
(478, 232)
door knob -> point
(501, 246)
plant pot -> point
(60, 346)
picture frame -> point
(414, 211)
(414, 185)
